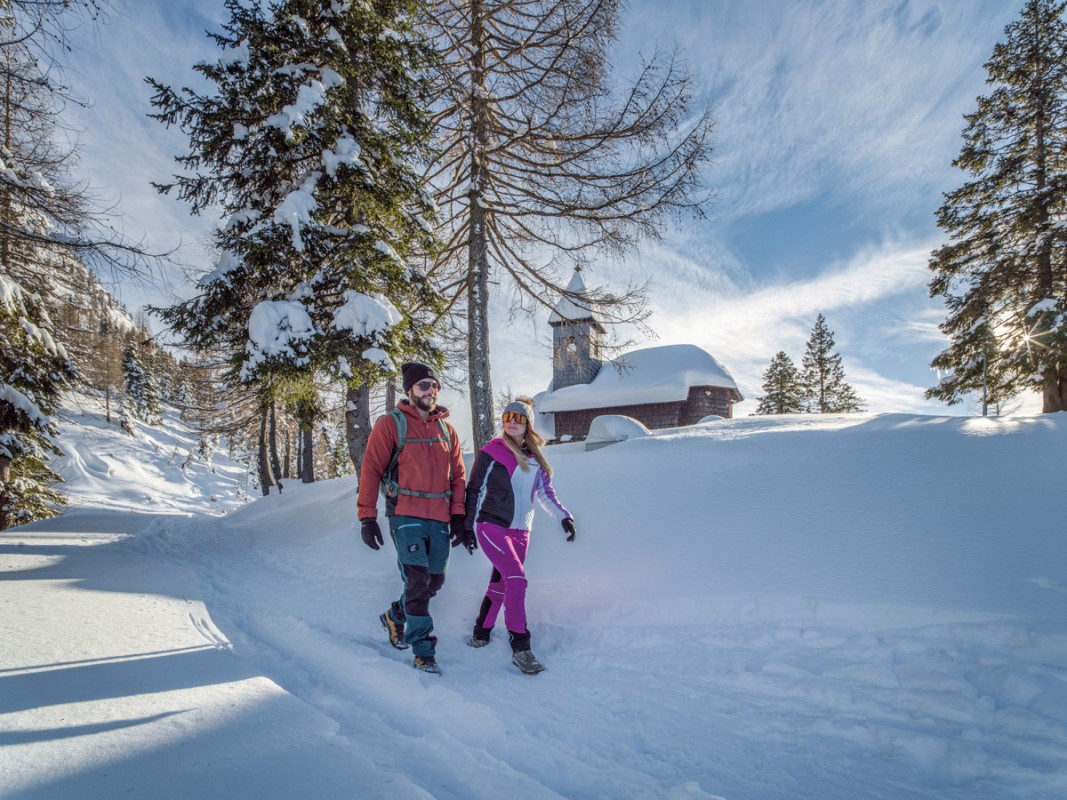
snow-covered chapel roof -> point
(650, 375)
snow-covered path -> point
(745, 644)
(134, 692)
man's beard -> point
(427, 402)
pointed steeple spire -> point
(572, 309)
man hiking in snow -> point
(413, 456)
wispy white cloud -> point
(857, 101)
(870, 276)
(744, 326)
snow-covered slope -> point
(762, 608)
(157, 471)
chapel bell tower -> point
(577, 337)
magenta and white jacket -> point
(500, 492)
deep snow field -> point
(809, 607)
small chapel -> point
(661, 387)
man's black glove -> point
(568, 526)
(371, 533)
(459, 535)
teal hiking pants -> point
(422, 549)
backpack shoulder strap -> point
(401, 430)
(389, 484)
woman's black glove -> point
(371, 533)
(568, 526)
(459, 534)
(470, 541)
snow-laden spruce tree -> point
(1003, 274)
(142, 388)
(822, 375)
(34, 370)
(546, 159)
(783, 392)
(308, 143)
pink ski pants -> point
(506, 550)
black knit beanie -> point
(414, 372)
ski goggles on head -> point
(425, 386)
(515, 416)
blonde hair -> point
(531, 440)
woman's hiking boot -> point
(480, 637)
(527, 662)
(521, 655)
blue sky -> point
(836, 125)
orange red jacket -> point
(433, 467)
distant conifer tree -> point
(823, 375)
(142, 389)
(783, 393)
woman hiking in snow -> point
(509, 473)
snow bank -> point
(827, 607)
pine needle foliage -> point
(822, 375)
(1003, 273)
(309, 144)
(34, 371)
(783, 392)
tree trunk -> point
(272, 441)
(480, 383)
(357, 423)
(307, 453)
(288, 453)
(5, 476)
(266, 480)
(1054, 394)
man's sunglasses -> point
(515, 416)
(425, 386)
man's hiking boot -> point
(427, 664)
(395, 630)
(527, 662)
(480, 637)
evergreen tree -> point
(308, 143)
(206, 446)
(142, 390)
(1002, 275)
(823, 375)
(781, 385)
(34, 370)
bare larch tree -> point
(546, 160)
